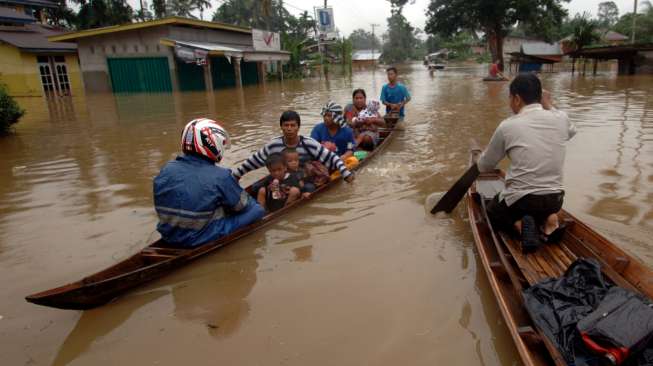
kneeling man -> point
(534, 140)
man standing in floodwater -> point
(534, 139)
(394, 95)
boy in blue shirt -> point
(394, 95)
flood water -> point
(360, 276)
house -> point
(173, 53)
(613, 38)
(365, 58)
(30, 65)
(532, 55)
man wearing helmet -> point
(196, 200)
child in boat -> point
(279, 188)
(367, 131)
(297, 176)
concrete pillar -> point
(172, 64)
(280, 69)
(262, 74)
(208, 77)
(237, 72)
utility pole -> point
(634, 22)
(374, 25)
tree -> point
(364, 40)
(643, 26)
(401, 38)
(201, 5)
(494, 18)
(608, 14)
(143, 14)
(159, 8)
(180, 8)
(585, 31)
(102, 13)
(61, 16)
(262, 14)
(10, 111)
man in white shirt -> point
(534, 140)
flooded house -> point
(30, 64)
(173, 54)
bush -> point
(10, 111)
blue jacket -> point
(196, 201)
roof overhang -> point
(73, 36)
(216, 49)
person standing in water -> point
(394, 94)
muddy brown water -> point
(361, 276)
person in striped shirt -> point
(308, 149)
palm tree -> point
(182, 8)
(585, 31)
(200, 5)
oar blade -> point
(456, 193)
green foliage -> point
(585, 31)
(142, 14)
(343, 48)
(262, 14)
(460, 46)
(364, 40)
(181, 8)
(643, 25)
(102, 13)
(400, 40)
(61, 16)
(10, 111)
(494, 18)
(159, 8)
(608, 14)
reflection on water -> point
(364, 269)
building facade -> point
(30, 65)
(170, 54)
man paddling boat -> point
(308, 149)
(196, 200)
(534, 140)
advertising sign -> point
(191, 55)
(324, 19)
(266, 41)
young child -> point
(296, 175)
(367, 132)
(278, 189)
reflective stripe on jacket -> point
(192, 197)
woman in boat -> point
(534, 139)
(308, 149)
(365, 129)
(334, 129)
(198, 201)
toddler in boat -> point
(280, 187)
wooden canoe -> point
(159, 258)
(509, 271)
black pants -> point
(503, 217)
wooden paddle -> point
(450, 199)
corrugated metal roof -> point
(11, 15)
(174, 20)
(365, 55)
(35, 3)
(541, 49)
(33, 38)
(614, 36)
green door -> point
(140, 74)
(222, 72)
(250, 73)
(190, 76)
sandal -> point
(530, 236)
(556, 236)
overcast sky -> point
(354, 14)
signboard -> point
(191, 55)
(266, 41)
(324, 20)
